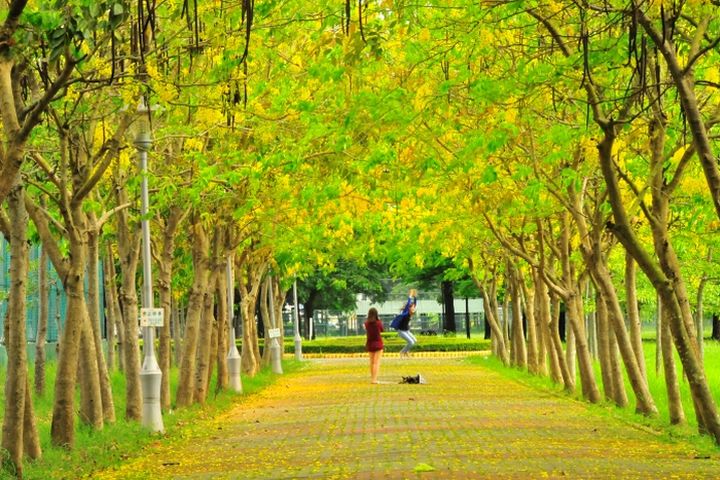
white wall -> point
(424, 306)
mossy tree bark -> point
(528, 297)
(223, 322)
(19, 434)
(488, 289)
(633, 313)
(94, 314)
(251, 266)
(43, 315)
(77, 340)
(203, 363)
(169, 227)
(112, 305)
(201, 274)
(128, 246)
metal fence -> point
(328, 324)
(56, 296)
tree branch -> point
(40, 219)
(108, 152)
(106, 216)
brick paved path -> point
(327, 421)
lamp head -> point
(142, 126)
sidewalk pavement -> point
(328, 421)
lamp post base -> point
(234, 381)
(150, 379)
(298, 348)
(276, 356)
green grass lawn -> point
(96, 450)
(656, 383)
(656, 380)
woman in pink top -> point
(374, 344)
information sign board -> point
(152, 317)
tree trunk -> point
(570, 350)
(658, 336)
(645, 402)
(675, 408)
(91, 405)
(687, 347)
(619, 393)
(633, 313)
(62, 430)
(587, 375)
(532, 337)
(204, 348)
(568, 374)
(541, 313)
(249, 359)
(490, 310)
(603, 334)
(261, 321)
(164, 281)
(613, 329)
(31, 438)
(591, 325)
(497, 334)
(505, 318)
(91, 392)
(201, 274)
(699, 314)
(715, 327)
(17, 395)
(93, 268)
(279, 304)
(213, 351)
(58, 322)
(129, 250)
(77, 340)
(43, 315)
(164, 351)
(449, 301)
(223, 322)
(705, 407)
(110, 319)
(562, 321)
(113, 305)
(250, 268)
(128, 244)
(679, 315)
(518, 335)
(542, 301)
(265, 323)
(178, 324)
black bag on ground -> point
(414, 379)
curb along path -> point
(328, 421)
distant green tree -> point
(337, 289)
(452, 281)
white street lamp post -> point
(298, 338)
(233, 356)
(150, 374)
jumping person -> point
(402, 323)
(374, 343)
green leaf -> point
(489, 175)
(424, 467)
